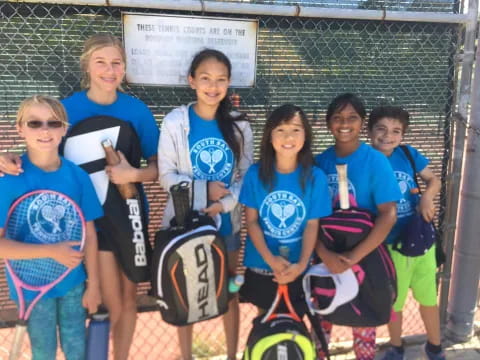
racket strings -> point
(37, 272)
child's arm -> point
(335, 263)
(61, 252)
(386, 218)
(308, 244)
(10, 163)
(426, 206)
(91, 298)
(124, 173)
(277, 263)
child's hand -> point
(427, 208)
(122, 173)
(336, 263)
(10, 164)
(213, 209)
(289, 274)
(66, 255)
(217, 190)
(278, 264)
(91, 298)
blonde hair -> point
(92, 44)
(53, 104)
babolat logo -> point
(137, 226)
(202, 265)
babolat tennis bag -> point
(190, 271)
(375, 273)
(277, 336)
(124, 223)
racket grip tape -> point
(17, 344)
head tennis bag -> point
(375, 273)
(279, 336)
(190, 275)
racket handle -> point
(16, 349)
(181, 201)
(128, 191)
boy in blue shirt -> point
(387, 125)
(42, 122)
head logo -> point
(47, 218)
(406, 183)
(212, 159)
(283, 213)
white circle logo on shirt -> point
(46, 217)
(405, 183)
(283, 213)
(212, 159)
(333, 187)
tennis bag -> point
(190, 271)
(124, 222)
(277, 336)
(375, 273)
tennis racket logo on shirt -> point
(212, 159)
(283, 213)
(405, 183)
(47, 217)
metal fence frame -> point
(468, 20)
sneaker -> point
(432, 356)
(392, 354)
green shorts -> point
(417, 273)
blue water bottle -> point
(98, 336)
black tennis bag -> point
(277, 336)
(124, 222)
(190, 270)
(375, 273)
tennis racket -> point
(39, 217)
(343, 186)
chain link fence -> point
(305, 61)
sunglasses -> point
(51, 124)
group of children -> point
(285, 194)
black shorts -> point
(104, 243)
(260, 290)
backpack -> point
(124, 222)
(418, 236)
(277, 336)
(375, 273)
(190, 272)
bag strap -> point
(282, 293)
(412, 164)
(317, 328)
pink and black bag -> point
(375, 273)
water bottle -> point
(235, 283)
(98, 337)
(284, 251)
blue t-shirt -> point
(79, 107)
(406, 181)
(284, 211)
(68, 179)
(371, 181)
(212, 158)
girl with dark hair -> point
(204, 141)
(284, 195)
(371, 183)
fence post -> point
(457, 152)
(466, 268)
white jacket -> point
(175, 165)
